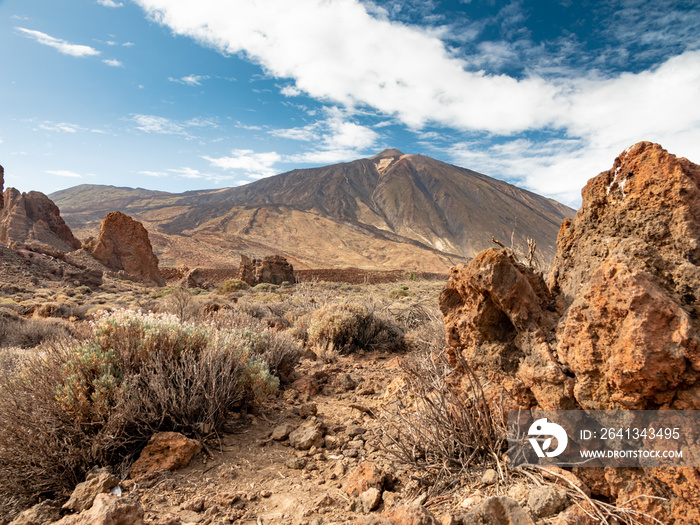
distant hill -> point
(390, 211)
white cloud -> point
(166, 126)
(65, 173)
(60, 127)
(153, 173)
(76, 50)
(190, 80)
(113, 62)
(340, 53)
(290, 91)
(110, 3)
(255, 165)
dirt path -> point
(251, 478)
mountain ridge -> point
(411, 203)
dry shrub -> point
(183, 303)
(230, 286)
(352, 327)
(279, 350)
(440, 429)
(69, 409)
(28, 333)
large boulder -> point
(273, 269)
(614, 327)
(33, 217)
(123, 245)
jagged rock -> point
(123, 245)
(194, 278)
(274, 269)
(309, 434)
(2, 186)
(616, 326)
(366, 476)
(33, 217)
(165, 451)
(45, 512)
(369, 499)
(108, 509)
(98, 481)
(546, 501)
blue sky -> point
(177, 95)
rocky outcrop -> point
(33, 217)
(274, 269)
(123, 245)
(616, 324)
(2, 186)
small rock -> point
(295, 463)
(46, 511)
(165, 451)
(367, 475)
(196, 504)
(519, 493)
(281, 432)
(331, 442)
(307, 435)
(404, 515)
(546, 501)
(98, 481)
(355, 430)
(265, 493)
(490, 477)
(308, 409)
(369, 499)
(357, 444)
(325, 501)
(498, 510)
(108, 509)
(390, 498)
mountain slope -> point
(389, 211)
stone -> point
(296, 463)
(497, 510)
(308, 409)
(33, 217)
(281, 432)
(2, 186)
(98, 481)
(369, 499)
(273, 269)
(165, 451)
(489, 477)
(194, 278)
(47, 511)
(309, 434)
(404, 515)
(123, 245)
(366, 476)
(108, 509)
(546, 501)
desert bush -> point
(183, 303)
(70, 408)
(265, 287)
(28, 333)
(443, 428)
(232, 285)
(352, 327)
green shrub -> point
(352, 327)
(265, 287)
(232, 285)
(69, 409)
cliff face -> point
(33, 217)
(615, 326)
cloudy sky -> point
(189, 94)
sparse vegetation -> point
(352, 327)
(102, 399)
(232, 285)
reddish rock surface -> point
(274, 269)
(123, 245)
(366, 476)
(165, 451)
(2, 185)
(616, 325)
(33, 217)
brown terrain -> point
(377, 415)
(388, 212)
